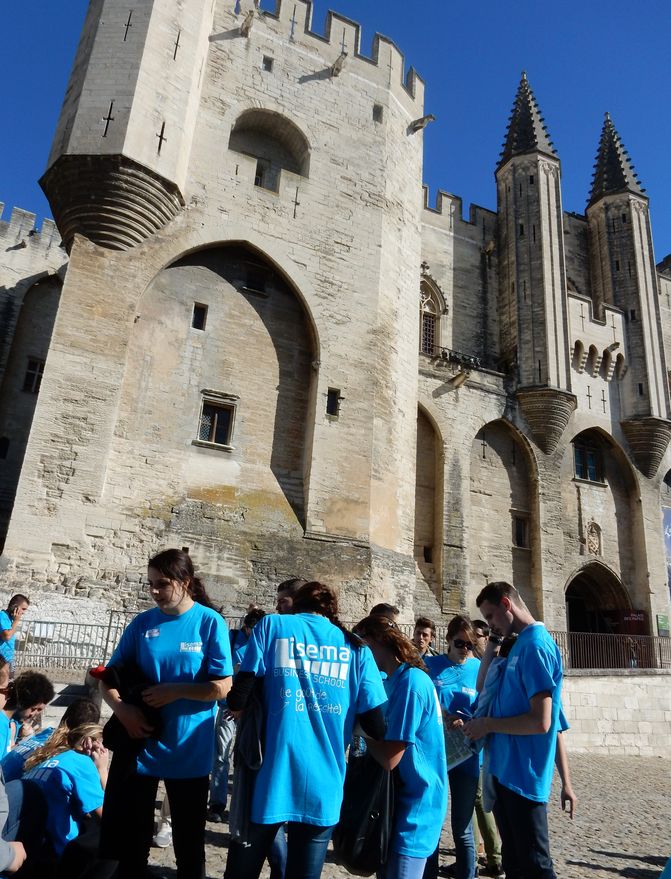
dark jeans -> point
(128, 820)
(26, 822)
(523, 826)
(306, 845)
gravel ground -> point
(622, 826)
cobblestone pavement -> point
(622, 826)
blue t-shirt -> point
(525, 763)
(5, 734)
(315, 682)
(455, 685)
(7, 647)
(12, 763)
(71, 786)
(413, 717)
(239, 646)
(191, 647)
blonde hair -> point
(63, 739)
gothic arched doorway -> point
(596, 601)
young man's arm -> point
(536, 721)
(567, 797)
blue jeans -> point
(523, 826)
(463, 788)
(402, 867)
(224, 734)
(306, 851)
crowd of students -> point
(294, 690)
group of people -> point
(295, 689)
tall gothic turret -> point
(118, 164)
(532, 282)
(624, 275)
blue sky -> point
(582, 58)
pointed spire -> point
(526, 129)
(613, 169)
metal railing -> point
(74, 646)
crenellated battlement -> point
(20, 231)
(345, 36)
(450, 209)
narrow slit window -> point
(333, 402)
(199, 317)
(521, 230)
(267, 63)
(378, 113)
(521, 531)
(33, 377)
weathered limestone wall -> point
(627, 712)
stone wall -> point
(625, 712)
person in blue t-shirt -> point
(181, 648)
(27, 696)
(225, 724)
(522, 726)
(455, 675)
(414, 742)
(79, 712)
(9, 624)
(316, 679)
(71, 773)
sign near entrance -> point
(662, 625)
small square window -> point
(33, 377)
(521, 531)
(378, 113)
(521, 230)
(532, 179)
(216, 423)
(632, 314)
(199, 317)
(267, 63)
(333, 402)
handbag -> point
(362, 835)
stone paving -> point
(622, 826)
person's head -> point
(285, 594)
(80, 738)
(29, 694)
(460, 639)
(481, 633)
(18, 605)
(503, 608)
(389, 611)
(172, 581)
(423, 634)
(387, 643)
(64, 738)
(316, 598)
(251, 618)
(79, 712)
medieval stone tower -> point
(256, 341)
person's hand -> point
(18, 612)
(160, 695)
(19, 856)
(569, 800)
(454, 721)
(136, 724)
(27, 729)
(99, 754)
(477, 728)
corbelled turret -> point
(532, 277)
(118, 166)
(624, 275)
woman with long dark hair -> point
(316, 679)
(181, 649)
(414, 743)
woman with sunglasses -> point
(454, 676)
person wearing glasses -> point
(181, 648)
(454, 676)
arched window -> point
(275, 142)
(429, 333)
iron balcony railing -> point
(73, 646)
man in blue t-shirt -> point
(522, 727)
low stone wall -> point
(619, 712)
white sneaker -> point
(163, 837)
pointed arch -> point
(429, 501)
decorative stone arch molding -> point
(432, 309)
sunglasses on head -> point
(459, 644)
